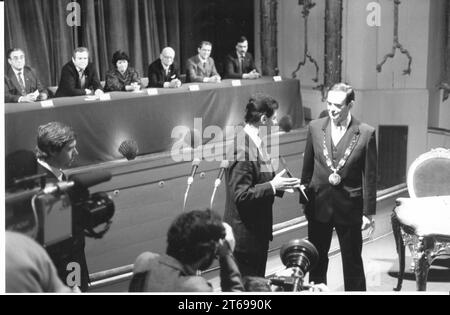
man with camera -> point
(194, 240)
(55, 151)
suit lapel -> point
(12, 76)
(352, 129)
(327, 129)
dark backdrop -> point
(140, 27)
(220, 22)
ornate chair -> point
(422, 222)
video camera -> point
(300, 256)
(54, 212)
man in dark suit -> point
(240, 63)
(22, 84)
(78, 76)
(55, 151)
(252, 186)
(163, 73)
(340, 173)
(201, 67)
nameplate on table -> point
(277, 78)
(91, 98)
(152, 91)
(47, 104)
(236, 83)
(194, 88)
(105, 97)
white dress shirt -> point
(253, 133)
(337, 132)
(57, 172)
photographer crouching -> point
(194, 240)
(56, 151)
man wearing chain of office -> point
(340, 174)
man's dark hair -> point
(204, 42)
(52, 137)
(344, 87)
(242, 39)
(193, 235)
(119, 55)
(10, 51)
(258, 105)
(79, 50)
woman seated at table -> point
(122, 77)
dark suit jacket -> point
(70, 85)
(195, 71)
(232, 66)
(357, 192)
(12, 87)
(157, 75)
(249, 199)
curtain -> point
(447, 55)
(141, 28)
(39, 28)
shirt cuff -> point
(273, 188)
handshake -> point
(287, 184)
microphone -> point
(223, 166)
(129, 149)
(82, 180)
(300, 189)
(88, 179)
(190, 180)
(195, 164)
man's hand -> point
(43, 96)
(321, 287)
(367, 222)
(29, 98)
(98, 92)
(251, 75)
(227, 245)
(284, 183)
(87, 91)
(213, 79)
(175, 83)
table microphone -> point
(223, 166)
(190, 180)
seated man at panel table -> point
(194, 240)
(78, 76)
(163, 72)
(240, 64)
(122, 77)
(201, 68)
(22, 84)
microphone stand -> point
(190, 181)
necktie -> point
(82, 79)
(241, 66)
(21, 83)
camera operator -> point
(28, 267)
(194, 240)
(55, 151)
